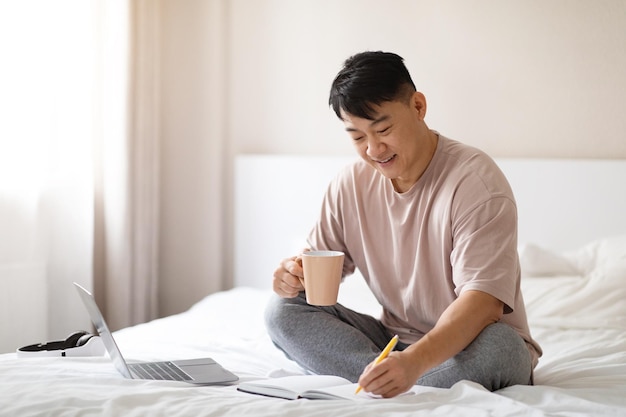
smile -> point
(386, 160)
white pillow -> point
(593, 299)
(536, 261)
(598, 254)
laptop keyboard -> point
(159, 370)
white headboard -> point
(562, 204)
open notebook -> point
(312, 387)
(302, 386)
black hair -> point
(368, 79)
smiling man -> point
(431, 224)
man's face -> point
(393, 142)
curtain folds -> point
(144, 138)
(127, 173)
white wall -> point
(516, 78)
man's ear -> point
(418, 102)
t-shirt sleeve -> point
(484, 255)
(328, 232)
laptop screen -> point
(103, 330)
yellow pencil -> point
(392, 344)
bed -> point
(573, 253)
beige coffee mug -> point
(322, 276)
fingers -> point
(287, 276)
(370, 379)
(379, 381)
(386, 379)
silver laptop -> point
(203, 371)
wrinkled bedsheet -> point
(576, 310)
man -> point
(432, 226)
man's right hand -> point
(288, 277)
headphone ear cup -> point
(72, 340)
(84, 339)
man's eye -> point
(385, 130)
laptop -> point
(204, 371)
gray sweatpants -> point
(338, 341)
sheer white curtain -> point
(78, 164)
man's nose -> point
(375, 147)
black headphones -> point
(80, 343)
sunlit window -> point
(48, 55)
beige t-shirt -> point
(454, 230)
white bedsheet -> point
(578, 318)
